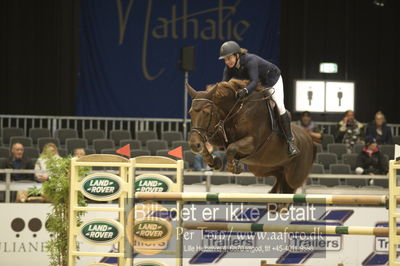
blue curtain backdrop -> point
(129, 50)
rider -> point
(243, 65)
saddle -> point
(266, 93)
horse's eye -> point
(206, 110)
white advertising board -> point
(24, 236)
(310, 96)
(324, 96)
(339, 96)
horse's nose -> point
(195, 147)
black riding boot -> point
(287, 131)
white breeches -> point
(278, 96)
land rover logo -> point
(102, 186)
(101, 231)
(152, 230)
(145, 210)
(152, 183)
(149, 263)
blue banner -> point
(129, 50)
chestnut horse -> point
(244, 129)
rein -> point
(265, 97)
(220, 126)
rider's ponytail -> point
(243, 51)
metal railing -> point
(133, 125)
(331, 127)
(10, 185)
(80, 123)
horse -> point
(245, 129)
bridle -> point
(205, 129)
(220, 126)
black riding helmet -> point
(228, 48)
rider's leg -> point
(284, 117)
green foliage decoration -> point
(56, 190)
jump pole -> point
(265, 198)
(307, 229)
(394, 215)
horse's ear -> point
(192, 92)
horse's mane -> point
(225, 88)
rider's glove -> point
(242, 93)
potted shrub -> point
(35, 195)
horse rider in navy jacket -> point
(243, 65)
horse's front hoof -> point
(218, 164)
(237, 167)
(238, 170)
(232, 168)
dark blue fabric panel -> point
(131, 69)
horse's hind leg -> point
(285, 187)
(277, 185)
(280, 186)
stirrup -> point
(292, 149)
